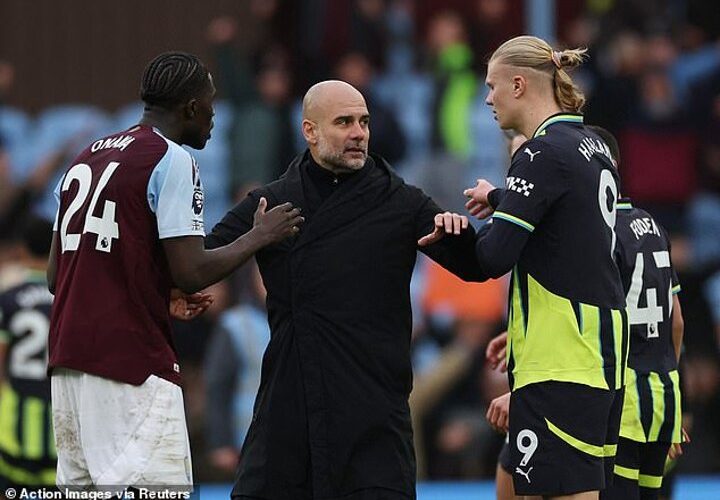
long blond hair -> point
(536, 53)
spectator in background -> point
(704, 217)
(388, 140)
(368, 34)
(446, 171)
(327, 30)
(7, 77)
(232, 371)
(660, 150)
(615, 88)
(455, 84)
(260, 99)
(493, 22)
(404, 87)
(451, 389)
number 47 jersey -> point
(120, 198)
(643, 257)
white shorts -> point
(110, 434)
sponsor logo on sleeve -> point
(519, 185)
(531, 154)
(198, 198)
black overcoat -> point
(332, 414)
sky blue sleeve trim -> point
(515, 220)
(58, 188)
(676, 289)
(56, 195)
(157, 179)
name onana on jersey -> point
(120, 142)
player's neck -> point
(537, 113)
(164, 121)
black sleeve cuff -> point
(496, 196)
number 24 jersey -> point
(122, 196)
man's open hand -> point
(445, 223)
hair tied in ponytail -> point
(555, 56)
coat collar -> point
(351, 200)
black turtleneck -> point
(321, 183)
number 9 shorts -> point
(563, 437)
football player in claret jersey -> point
(651, 416)
(554, 227)
(129, 228)
(27, 449)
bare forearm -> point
(678, 327)
(219, 262)
(194, 268)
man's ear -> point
(519, 84)
(309, 131)
(191, 108)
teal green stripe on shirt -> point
(624, 206)
(555, 119)
(676, 289)
(515, 220)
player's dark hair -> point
(36, 234)
(610, 140)
(173, 78)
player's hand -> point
(277, 224)
(445, 223)
(498, 413)
(188, 306)
(496, 351)
(478, 204)
(676, 448)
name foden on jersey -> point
(643, 226)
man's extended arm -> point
(194, 268)
(456, 253)
(499, 245)
(238, 221)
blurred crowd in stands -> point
(653, 79)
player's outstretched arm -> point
(194, 268)
(678, 327)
